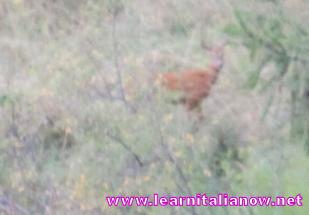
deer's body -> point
(195, 84)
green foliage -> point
(271, 39)
(115, 7)
(4, 99)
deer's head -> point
(216, 55)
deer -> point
(194, 85)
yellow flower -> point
(167, 118)
(146, 178)
(207, 172)
(189, 137)
(80, 187)
(178, 154)
(18, 2)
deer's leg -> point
(193, 106)
(194, 109)
(198, 118)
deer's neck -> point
(216, 64)
(214, 72)
(215, 67)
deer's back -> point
(190, 83)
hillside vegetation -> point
(81, 116)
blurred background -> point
(81, 118)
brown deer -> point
(194, 85)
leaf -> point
(232, 30)
(254, 47)
(5, 99)
(254, 76)
(267, 106)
